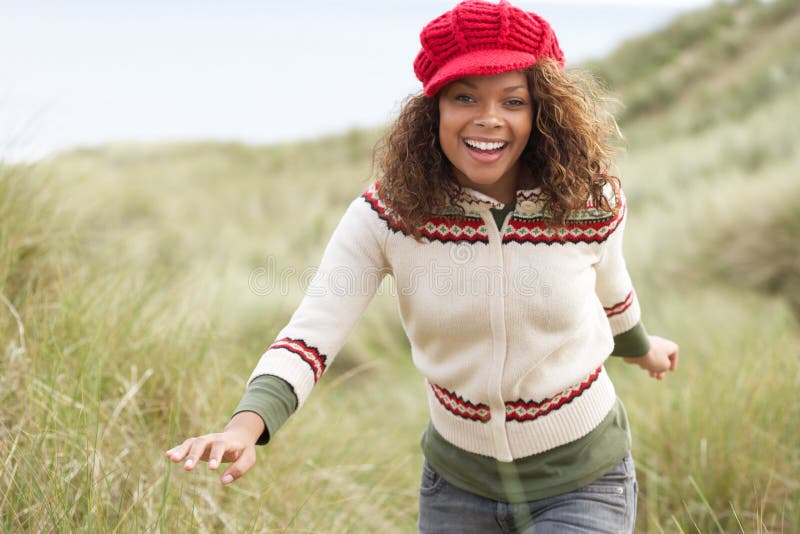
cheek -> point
(527, 139)
(448, 139)
(524, 127)
(449, 149)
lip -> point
(485, 157)
(485, 139)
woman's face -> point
(484, 125)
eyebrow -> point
(505, 90)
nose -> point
(488, 122)
(488, 118)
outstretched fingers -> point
(218, 449)
(179, 452)
(197, 452)
(238, 468)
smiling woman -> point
(563, 149)
(484, 125)
(526, 431)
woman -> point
(503, 231)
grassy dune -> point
(131, 312)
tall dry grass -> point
(129, 319)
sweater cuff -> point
(632, 343)
(273, 399)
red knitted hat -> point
(481, 38)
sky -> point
(90, 72)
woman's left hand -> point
(662, 357)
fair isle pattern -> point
(529, 195)
(521, 410)
(528, 223)
(309, 354)
(583, 226)
(451, 229)
(465, 198)
(446, 228)
(620, 307)
(460, 407)
(379, 207)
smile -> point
(485, 146)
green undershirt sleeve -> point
(633, 343)
(273, 399)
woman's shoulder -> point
(614, 196)
(375, 198)
(379, 205)
(601, 213)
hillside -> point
(140, 283)
(709, 107)
(709, 66)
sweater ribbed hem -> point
(559, 470)
(570, 421)
(625, 321)
(286, 365)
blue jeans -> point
(606, 505)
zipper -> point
(499, 346)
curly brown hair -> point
(571, 147)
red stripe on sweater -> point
(460, 407)
(620, 307)
(521, 410)
(537, 230)
(309, 354)
(439, 228)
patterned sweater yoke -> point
(510, 327)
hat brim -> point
(478, 63)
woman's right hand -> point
(236, 444)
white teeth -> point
(480, 145)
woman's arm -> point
(350, 272)
(614, 288)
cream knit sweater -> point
(509, 328)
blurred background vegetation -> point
(129, 320)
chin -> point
(484, 178)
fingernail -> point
(227, 479)
(212, 464)
(188, 463)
